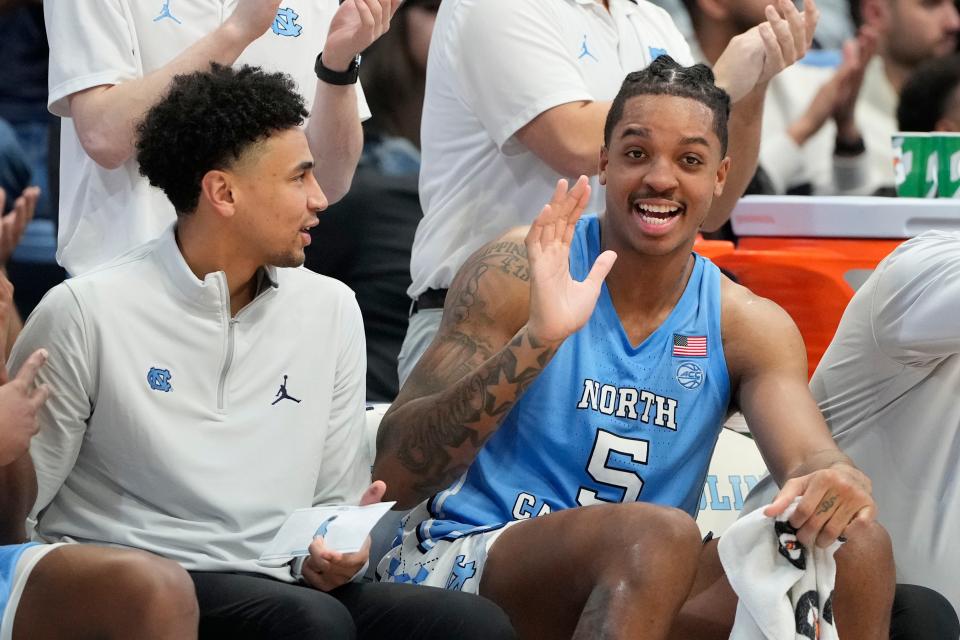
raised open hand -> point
(559, 305)
(355, 26)
(856, 54)
(756, 55)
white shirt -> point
(168, 430)
(106, 212)
(876, 114)
(495, 65)
(888, 386)
(787, 164)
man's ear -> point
(604, 159)
(216, 188)
(875, 13)
(721, 177)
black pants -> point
(920, 613)
(251, 607)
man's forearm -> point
(106, 117)
(744, 149)
(18, 492)
(335, 137)
(425, 444)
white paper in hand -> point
(343, 528)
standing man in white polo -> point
(516, 97)
(110, 60)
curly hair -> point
(666, 77)
(206, 121)
(926, 95)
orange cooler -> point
(809, 254)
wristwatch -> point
(848, 149)
(340, 78)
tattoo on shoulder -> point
(506, 257)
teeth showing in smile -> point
(655, 214)
(653, 208)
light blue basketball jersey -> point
(605, 421)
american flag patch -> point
(690, 346)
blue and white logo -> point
(690, 375)
(656, 52)
(462, 571)
(159, 379)
(585, 50)
(285, 24)
(402, 578)
(165, 13)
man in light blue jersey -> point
(562, 421)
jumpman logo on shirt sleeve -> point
(282, 393)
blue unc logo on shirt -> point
(159, 379)
(690, 375)
(285, 24)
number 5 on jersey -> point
(614, 462)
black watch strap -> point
(848, 149)
(340, 78)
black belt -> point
(429, 299)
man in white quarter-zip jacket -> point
(205, 387)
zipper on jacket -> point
(222, 389)
(228, 356)
(231, 330)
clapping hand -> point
(559, 305)
(756, 55)
(355, 26)
(13, 224)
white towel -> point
(785, 591)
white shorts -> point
(449, 564)
(30, 555)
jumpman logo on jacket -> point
(282, 393)
(585, 51)
(165, 13)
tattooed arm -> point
(508, 310)
(768, 369)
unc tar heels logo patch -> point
(159, 379)
(285, 24)
(690, 375)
